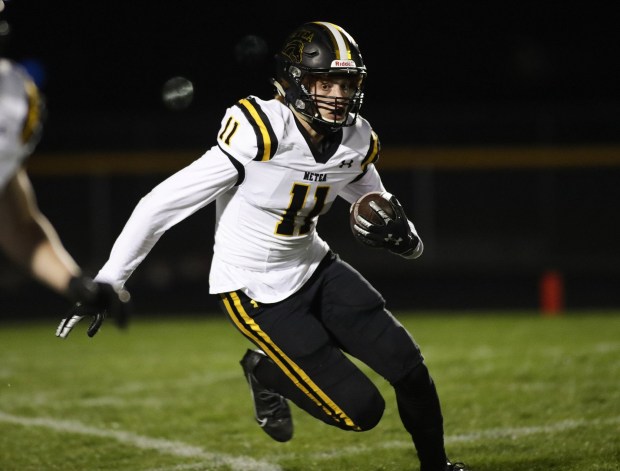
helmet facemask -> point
(331, 111)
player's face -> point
(332, 95)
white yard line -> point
(169, 447)
(245, 463)
(516, 432)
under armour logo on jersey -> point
(344, 162)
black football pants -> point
(305, 336)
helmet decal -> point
(294, 47)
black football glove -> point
(97, 300)
(394, 234)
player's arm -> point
(169, 203)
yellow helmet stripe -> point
(341, 39)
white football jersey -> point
(270, 188)
(19, 118)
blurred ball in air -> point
(177, 93)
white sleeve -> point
(170, 202)
(371, 181)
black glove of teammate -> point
(95, 299)
(395, 234)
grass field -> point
(520, 393)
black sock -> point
(420, 412)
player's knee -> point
(371, 412)
(365, 413)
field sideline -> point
(520, 393)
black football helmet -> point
(313, 50)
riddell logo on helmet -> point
(343, 63)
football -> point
(362, 208)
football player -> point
(277, 165)
(26, 235)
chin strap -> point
(279, 88)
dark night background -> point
(442, 75)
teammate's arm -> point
(29, 239)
